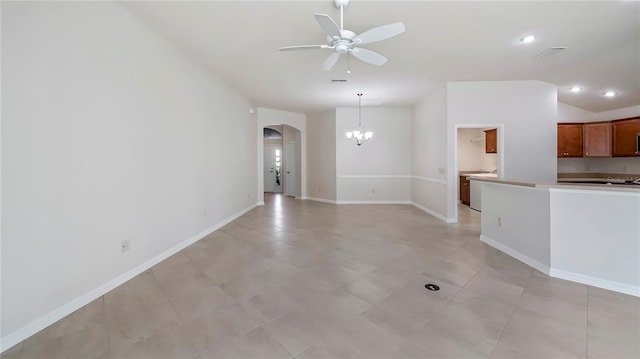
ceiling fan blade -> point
(379, 33)
(330, 61)
(304, 47)
(368, 56)
(328, 25)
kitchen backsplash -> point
(630, 165)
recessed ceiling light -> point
(575, 89)
(527, 39)
(609, 93)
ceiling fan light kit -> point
(358, 135)
(343, 41)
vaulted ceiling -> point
(444, 41)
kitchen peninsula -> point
(587, 233)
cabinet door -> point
(625, 137)
(597, 139)
(465, 190)
(570, 140)
(491, 141)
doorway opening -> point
(272, 139)
(281, 160)
(478, 150)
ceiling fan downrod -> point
(340, 4)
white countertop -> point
(483, 175)
(560, 185)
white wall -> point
(568, 113)
(571, 234)
(595, 238)
(472, 154)
(626, 112)
(429, 154)
(610, 165)
(524, 113)
(380, 169)
(523, 231)
(269, 117)
(613, 165)
(321, 155)
(108, 133)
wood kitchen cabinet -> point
(597, 139)
(491, 141)
(465, 190)
(570, 140)
(625, 137)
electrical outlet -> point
(624, 169)
(319, 189)
(441, 170)
(500, 222)
(204, 213)
(125, 245)
(373, 191)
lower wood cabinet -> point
(465, 190)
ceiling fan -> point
(343, 41)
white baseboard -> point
(596, 282)
(321, 200)
(434, 213)
(373, 202)
(261, 203)
(37, 325)
(561, 274)
(515, 254)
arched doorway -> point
(293, 151)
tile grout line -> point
(339, 326)
(586, 328)
(515, 306)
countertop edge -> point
(590, 187)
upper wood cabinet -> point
(491, 141)
(570, 140)
(625, 137)
(597, 139)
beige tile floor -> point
(311, 280)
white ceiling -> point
(444, 41)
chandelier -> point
(358, 135)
